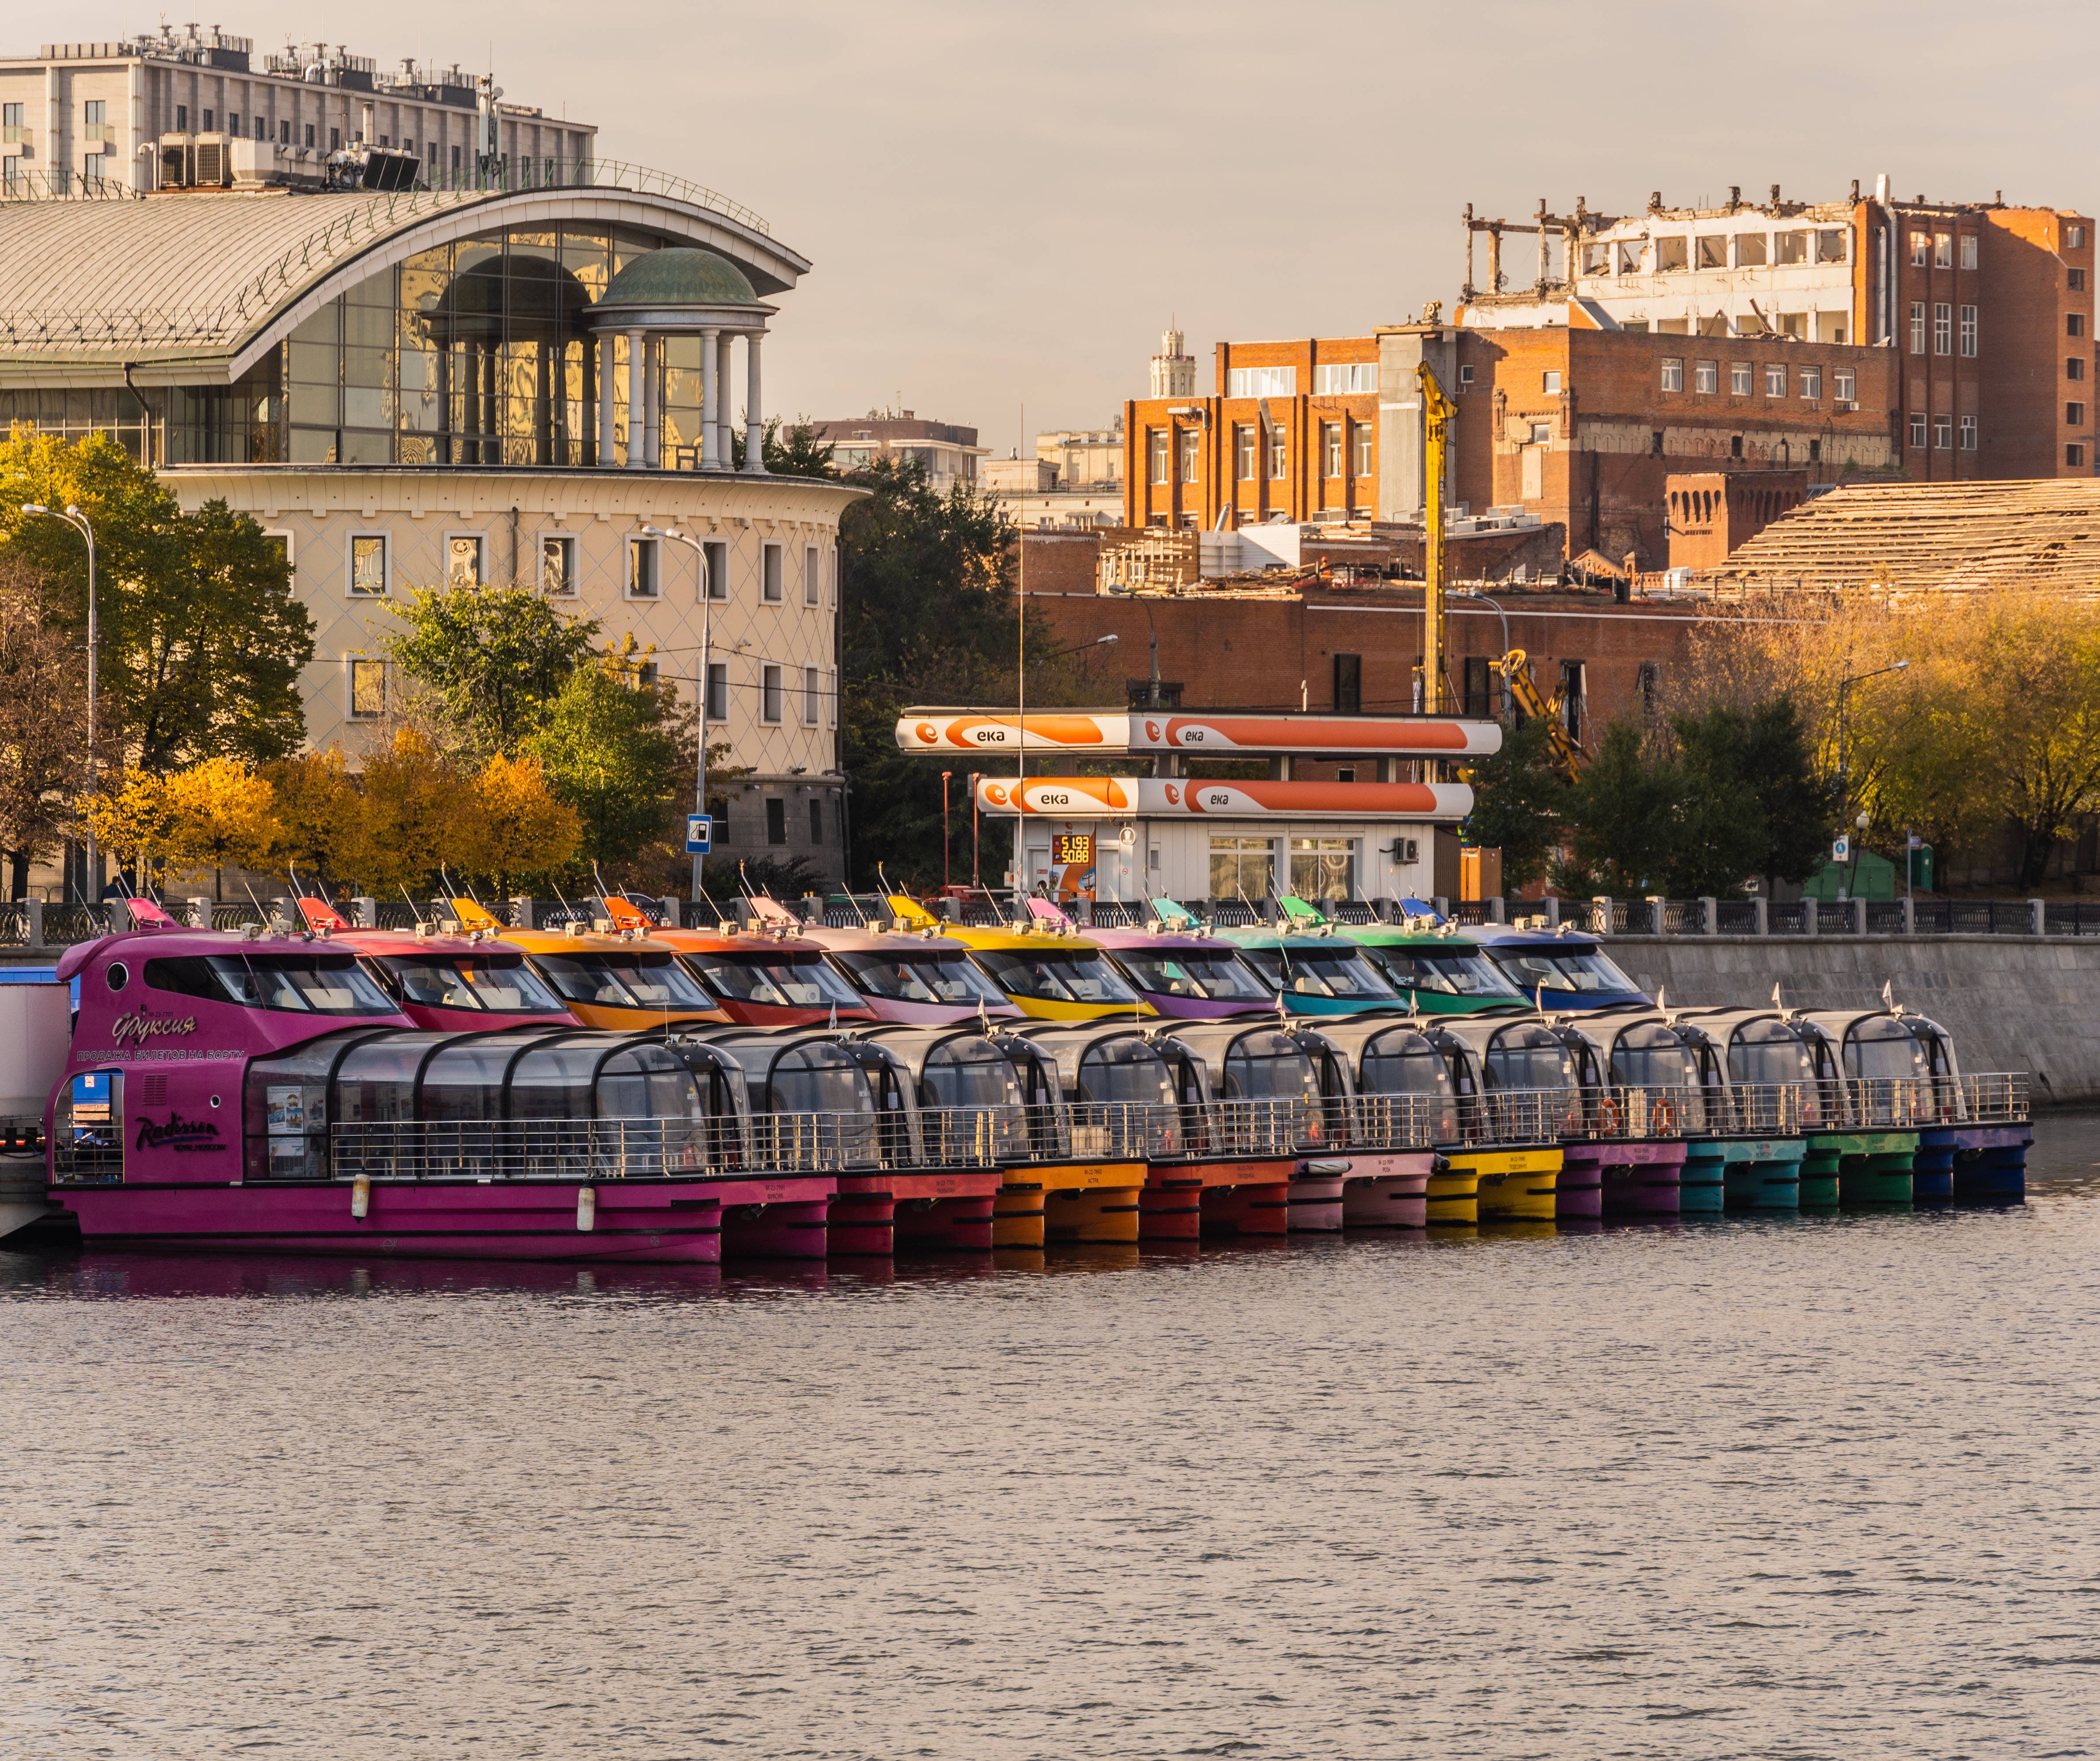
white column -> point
(710, 400)
(637, 414)
(606, 449)
(754, 420)
(652, 348)
(724, 453)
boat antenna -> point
(256, 903)
(413, 906)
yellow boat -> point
(1047, 971)
(1491, 1185)
(627, 982)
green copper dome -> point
(679, 277)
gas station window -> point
(1242, 867)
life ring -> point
(1664, 1118)
(1607, 1117)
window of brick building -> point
(2074, 415)
(1159, 454)
(1549, 383)
(1943, 327)
(2074, 454)
(1811, 381)
(1465, 376)
(1673, 373)
(2078, 280)
(1774, 380)
(2074, 324)
(1191, 442)
(1943, 250)
(1969, 331)
(1364, 432)
(2074, 238)
(1917, 327)
(1734, 446)
(1480, 692)
(1968, 433)
(1244, 451)
(2074, 366)
(1738, 379)
(1330, 449)
(1968, 250)
(1655, 441)
(1706, 375)
(1348, 684)
(1845, 384)
(1572, 699)
(1647, 682)
(1917, 428)
(1279, 455)
(1921, 250)
(1943, 434)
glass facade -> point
(471, 353)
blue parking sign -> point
(700, 834)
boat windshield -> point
(1449, 972)
(1768, 1052)
(1586, 970)
(623, 980)
(1057, 975)
(1208, 975)
(1883, 1050)
(506, 986)
(1320, 971)
(1653, 1057)
(313, 984)
(775, 981)
(972, 1103)
(921, 978)
(1127, 1070)
(1269, 1066)
(1539, 1064)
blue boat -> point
(1569, 964)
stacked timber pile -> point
(1934, 537)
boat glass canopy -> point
(636, 980)
(927, 977)
(1449, 972)
(1584, 970)
(1323, 972)
(502, 984)
(773, 981)
(1057, 975)
(1207, 975)
(305, 983)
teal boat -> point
(1310, 967)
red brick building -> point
(1712, 512)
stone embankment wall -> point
(2013, 1003)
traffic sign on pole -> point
(700, 834)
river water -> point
(1805, 1487)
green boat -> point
(1437, 969)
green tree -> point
(1623, 817)
(792, 450)
(200, 641)
(927, 614)
(1519, 798)
(496, 659)
(42, 724)
(1754, 776)
(612, 750)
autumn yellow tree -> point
(416, 816)
(214, 814)
(517, 827)
(321, 809)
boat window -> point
(1332, 972)
(933, 978)
(87, 1131)
(624, 981)
(554, 1080)
(1936, 1044)
(1446, 972)
(818, 1079)
(968, 1073)
(1205, 975)
(1269, 1066)
(377, 1079)
(775, 981)
(508, 986)
(1883, 1050)
(286, 1108)
(314, 984)
(1589, 971)
(1768, 1052)
(464, 1080)
(1653, 1057)
(1065, 975)
(1531, 1059)
(647, 1082)
(1402, 1062)
(1125, 1071)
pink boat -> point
(258, 1091)
(467, 983)
(914, 976)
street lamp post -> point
(1468, 593)
(707, 638)
(1844, 773)
(78, 521)
(1152, 690)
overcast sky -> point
(1005, 202)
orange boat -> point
(625, 981)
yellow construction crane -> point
(1437, 411)
(1514, 667)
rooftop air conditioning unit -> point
(178, 157)
(213, 163)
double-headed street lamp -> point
(706, 634)
(1844, 773)
(78, 521)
